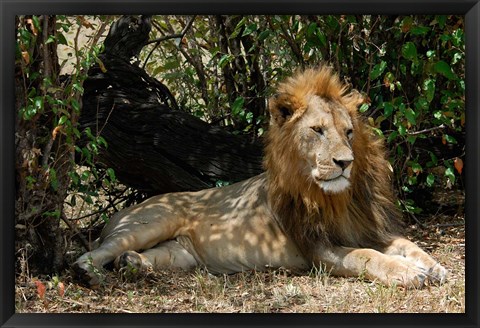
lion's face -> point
(325, 133)
(311, 134)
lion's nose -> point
(342, 163)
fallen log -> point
(153, 145)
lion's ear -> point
(352, 100)
(280, 109)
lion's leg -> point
(88, 267)
(126, 233)
(403, 247)
(169, 254)
(371, 264)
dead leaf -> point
(458, 163)
(40, 289)
(85, 22)
(26, 57)
(55, 131)
(34, 30)
(61, 289)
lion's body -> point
(324, 200)
(217, 226)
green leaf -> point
(227, 58)
(411, 139)
(111, 174)
(457, 37)
(430, 180)
(364, 108)
(449, 173)
(417, 168)
(77, 86)
(445, 69)
(441, 19)
(54, 214)
(237, 105)
(433, 158)
(38, 102)
(171, 64)
(249, 29)
(61, 39)
(53, 179)
(450, 139)
(378, 70)
(249, 117)
(238, 28)
(62, 120)
(387, 109)
(410, 115)
(438, 114)
(311, 29)
(409, 51)
(457, 57)
(102, 142)
(421, 104)
(392, 136)
(263, 35)
(86, 175)
(36, 23)
(419, 30)
(378, 132)
(75, 177)
(429, 88)
(50, 39)
(75, 105)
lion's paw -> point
(87, 273)
(437, 274)
(409, 278)
(403, 273)
(130, 264)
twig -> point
(168, 37)
(83, 240)
(100, 211)
(46, 57)
(177, 35)
(440, 127)
(445, 225)
(75, 44)
(422, 225)
(106, 120)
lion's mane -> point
(363, 216)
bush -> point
(410, 68)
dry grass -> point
(276, 291)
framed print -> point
(214, 163)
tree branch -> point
(168, 37)
(440, 127)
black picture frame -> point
(10, 8)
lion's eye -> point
(318, 129)
(349, 133)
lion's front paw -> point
(409, 278)
(403, 273)
(130, 264)
(87, 273)
(437, 274)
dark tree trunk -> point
(153, 146)
(39, 192)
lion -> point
(324, 201)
